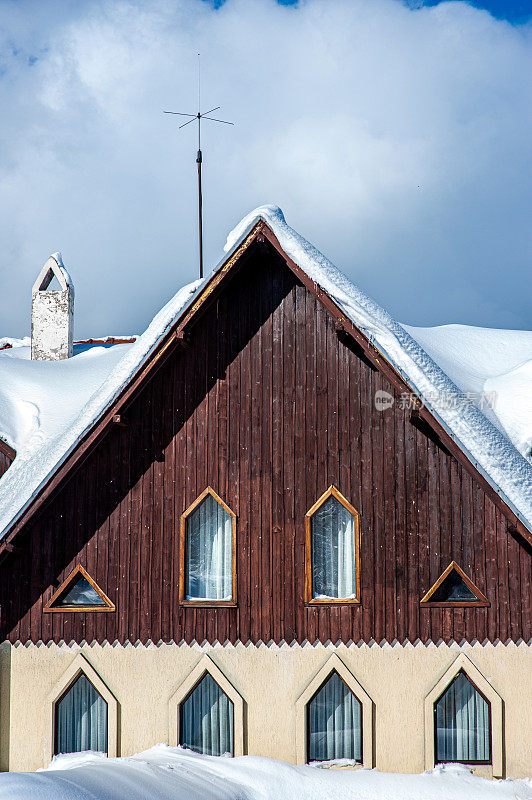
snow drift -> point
(172, 773)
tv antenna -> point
(199, 158)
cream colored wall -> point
(270, 679)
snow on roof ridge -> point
(489, 450)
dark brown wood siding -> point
(268, 407)
(6, 459)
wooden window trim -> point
(79, 570)
(309, 600)
(481, 601)
(489, 760)
(183, 549)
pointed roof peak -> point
(53, 267)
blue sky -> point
(512, 10)
(517, 11)
(395, 138)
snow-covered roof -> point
(47, 407)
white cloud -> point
(396, 139)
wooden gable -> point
(266, 393)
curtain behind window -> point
(207, 720)
(81, 719)
(333, 552)
(209, 552)
(462, 723)
(334, 718)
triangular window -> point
(454, 588)
(79, 592)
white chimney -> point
(52, 313)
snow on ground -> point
(171, 773)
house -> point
(272, 524)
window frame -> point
(332, 491)
(183, 601)
(486, 762)
(335, 664)
(307, 716)
(70, 579)
(80, 665)
(481, 601)
(183, 691)
(184, 700)
(463, 664)
(61, 697)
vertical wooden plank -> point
(234, 476)
(479, 544)
(392, 565)
(401, 535)
(501, 561)
(288, 464)
(221, 455)
(265, 586)
(145, 564)
(300, 498)
(379, 531)
(247, 522)
(109, 621)
(492, 584)
(124, 588)
(445, 532)
(256, 365)
(412, 517)
(278, 522)
(434, 538)
(159, 395)
(366, 388)
(525, 565)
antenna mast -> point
(199, 157)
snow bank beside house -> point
(171, 773)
